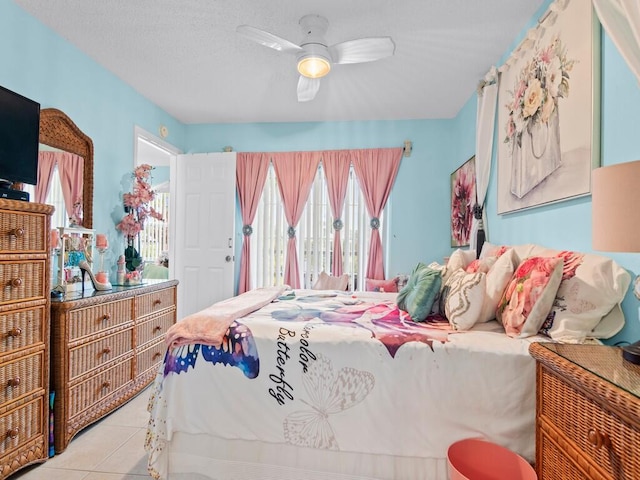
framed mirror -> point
(57, 130)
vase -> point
(132, 257)
(536, 156)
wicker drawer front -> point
(155, 328)
(22, 281)
(21, 426)
(22, 232)
(86, 321)
(151, 356)
(85, 394)
(21, 328)
(555, 464)
(88, 356)
(580, 418)
(21, 377)
(155, 301)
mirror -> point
(57, 130)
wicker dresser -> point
(105, 348)
(588, 413)
(24, 334)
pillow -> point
(459, 259)
(491, 250)
(529, 296)
(592, 286)
(498, 277)
(418, 295)
(481, 265)
(463, 298)
(372, 285)
(329, 282)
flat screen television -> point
(19, 135)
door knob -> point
(227, 258)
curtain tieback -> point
(375, 223)
(291, 231)
(477, 212)
(337, 224)
(247, 230)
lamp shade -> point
(615, 201)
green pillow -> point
(418, 295)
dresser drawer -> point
(22, 328)
(155, 301)
(23, 232)
(21, 377)
(154, 328)
(90, 320)
(555, 464)
(100, 386)
(150, 357)
(90, 355)
(21, 425)
(600, 435)
(20, 281)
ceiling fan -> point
(314, 56)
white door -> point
(203, 212)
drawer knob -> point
(106, 384)
(13, 382)
(157, 355)
(15, 332)
(16, 282)
(17, 232)
(106, 351)
(157, 328)
(106, 317)
(157, 302)
(12, 433)
(598, 439)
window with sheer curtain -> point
(55, 198)
(314, 233)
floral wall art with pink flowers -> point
(463, 198)
(548, 118)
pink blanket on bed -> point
(209, 326)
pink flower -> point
(137, 202)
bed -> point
(337, 385)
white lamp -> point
(615, 202)
(315, 62)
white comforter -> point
(335, 371)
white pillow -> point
(498, 277)
(329, 282)
(464, 296)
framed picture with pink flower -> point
(548, 110)
(463, 198)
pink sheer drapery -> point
(251, 175)
(295, 172)
(336, 170)
(71, 171)
(46, 163)
(376, 170)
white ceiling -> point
(185, 56)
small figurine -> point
(120, 274)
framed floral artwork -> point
(463, 198)
(548, 110)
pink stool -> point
(477, 459)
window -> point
(154, 239)
(314, 235)
(55, 198)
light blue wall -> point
(39, 64)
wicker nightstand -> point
(588, 413)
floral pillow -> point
(418, 295)
(481, 265)
(529, 296)
(463, 297)
(372, 285)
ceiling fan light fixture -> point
(313, 66)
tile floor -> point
(111, 449)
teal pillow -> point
(418, 295)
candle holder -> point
(102, 245)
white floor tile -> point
(129, 458)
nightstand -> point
(587, 413)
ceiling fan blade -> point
(362, 50)
(307, 88)
(268, 39)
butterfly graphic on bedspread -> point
(329, 393)
(238, 349)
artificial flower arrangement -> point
(543, 80)
(138, 210)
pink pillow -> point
(529, 295)
(372, 285)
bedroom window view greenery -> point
(314, 232)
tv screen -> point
(19, 135)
